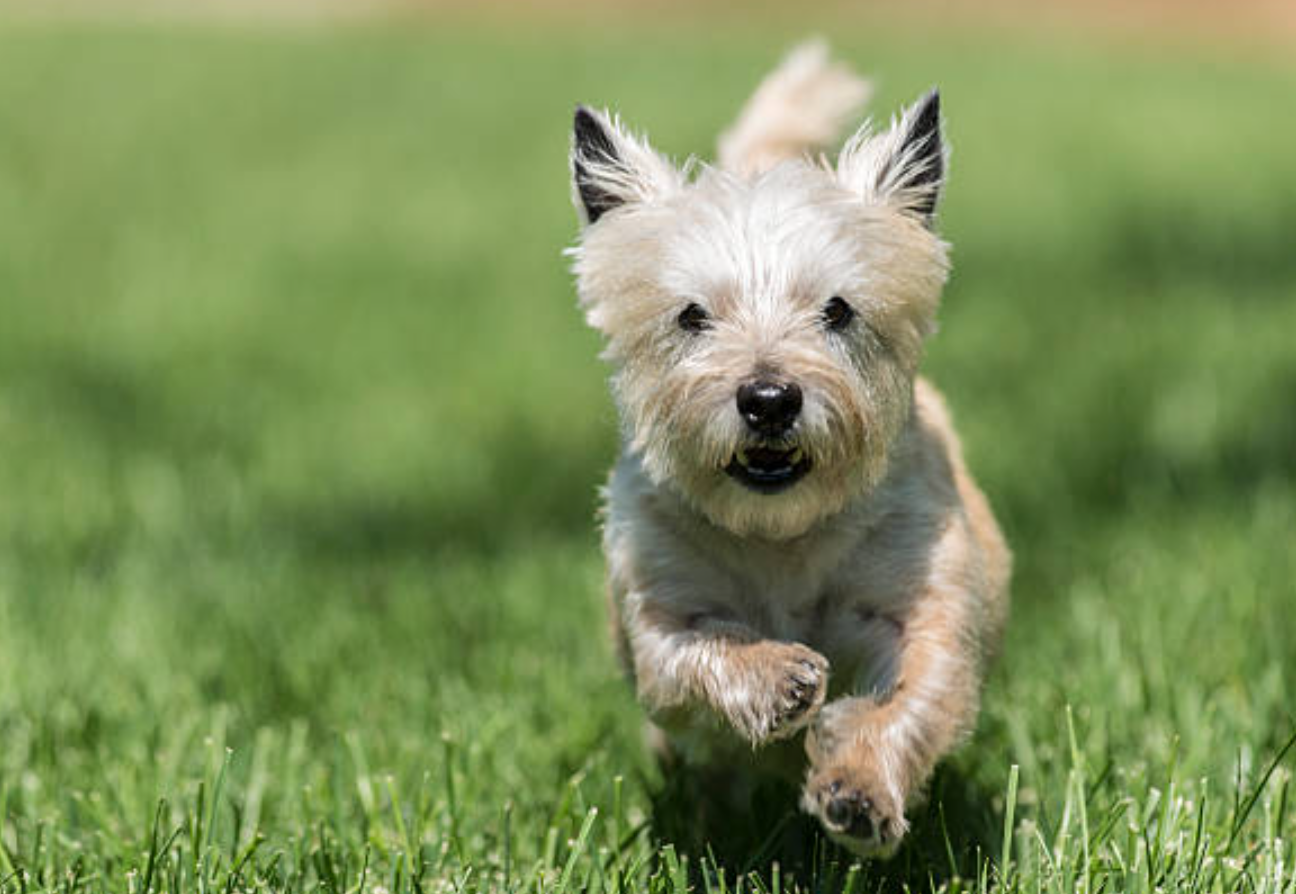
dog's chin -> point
(773, 493)
(768, 470)
(772, 502)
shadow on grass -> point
(1162, 240)
(521, 506)
(693, 810)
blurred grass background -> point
(300, 433)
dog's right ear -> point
(611, 168)
(903, 167)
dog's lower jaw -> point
(824, 485)
(779, 515)
(820, 488)
(769, 472)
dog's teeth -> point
(742, 457)
(795, 456)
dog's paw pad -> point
(854, 818)
(850, 813)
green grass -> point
(300, 433)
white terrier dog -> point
(793, 541)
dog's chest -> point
(832, 599)
(780, 610)
(786, 592)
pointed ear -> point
(611, 168)
(903, 167)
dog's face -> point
(765, 331)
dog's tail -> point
(801, 106)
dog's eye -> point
(837, 314)
(694, 318)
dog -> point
(803, 576)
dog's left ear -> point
(612, 168)
(903, 167)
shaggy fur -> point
(849, 581)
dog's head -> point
(765, 330)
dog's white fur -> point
(883, 563)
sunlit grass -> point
(300, 433)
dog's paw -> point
(801, 685)
(777, 691)
(855, 810)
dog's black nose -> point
(769, 408)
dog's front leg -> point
(870, 754)
(765, 689)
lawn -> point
(300, 435)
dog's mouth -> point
(768, 470)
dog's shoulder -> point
(940, 477)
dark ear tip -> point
(591, 132)
(588, 121)
(927, 115)
(929, 106)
